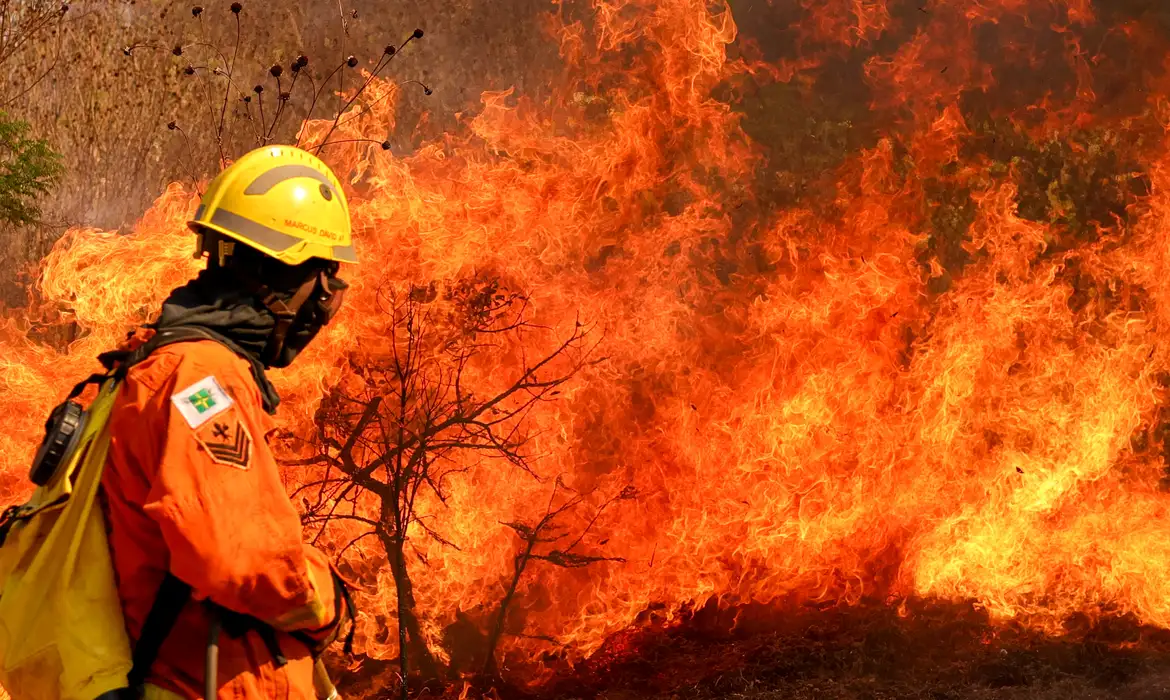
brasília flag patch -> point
(201, 401)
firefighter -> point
(191, 489)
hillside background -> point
(107, 113)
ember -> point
(878, 291)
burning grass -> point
(872, 651)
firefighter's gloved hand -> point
(344, 619)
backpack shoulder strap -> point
(170, 600)
(120, 361)
(173, 594)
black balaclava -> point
(301, 299)
(236, 301)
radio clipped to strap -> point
(67, 421)
(62, 431)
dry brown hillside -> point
(107, 113)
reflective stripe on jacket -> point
(191, 485)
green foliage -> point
(28, 170)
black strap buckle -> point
(10, 517)
(236, 625)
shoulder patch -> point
(201, 401)
(226, 440)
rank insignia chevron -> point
(227, 441)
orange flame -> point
(821, 402)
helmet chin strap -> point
(285, 311)
(219, 251)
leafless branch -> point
(545, 532)
(341, 553)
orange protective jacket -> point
(192, 487)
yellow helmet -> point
(282, 201)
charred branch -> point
(545, 532)
(407, 422)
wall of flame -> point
(814, 404)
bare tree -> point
(407, 421)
